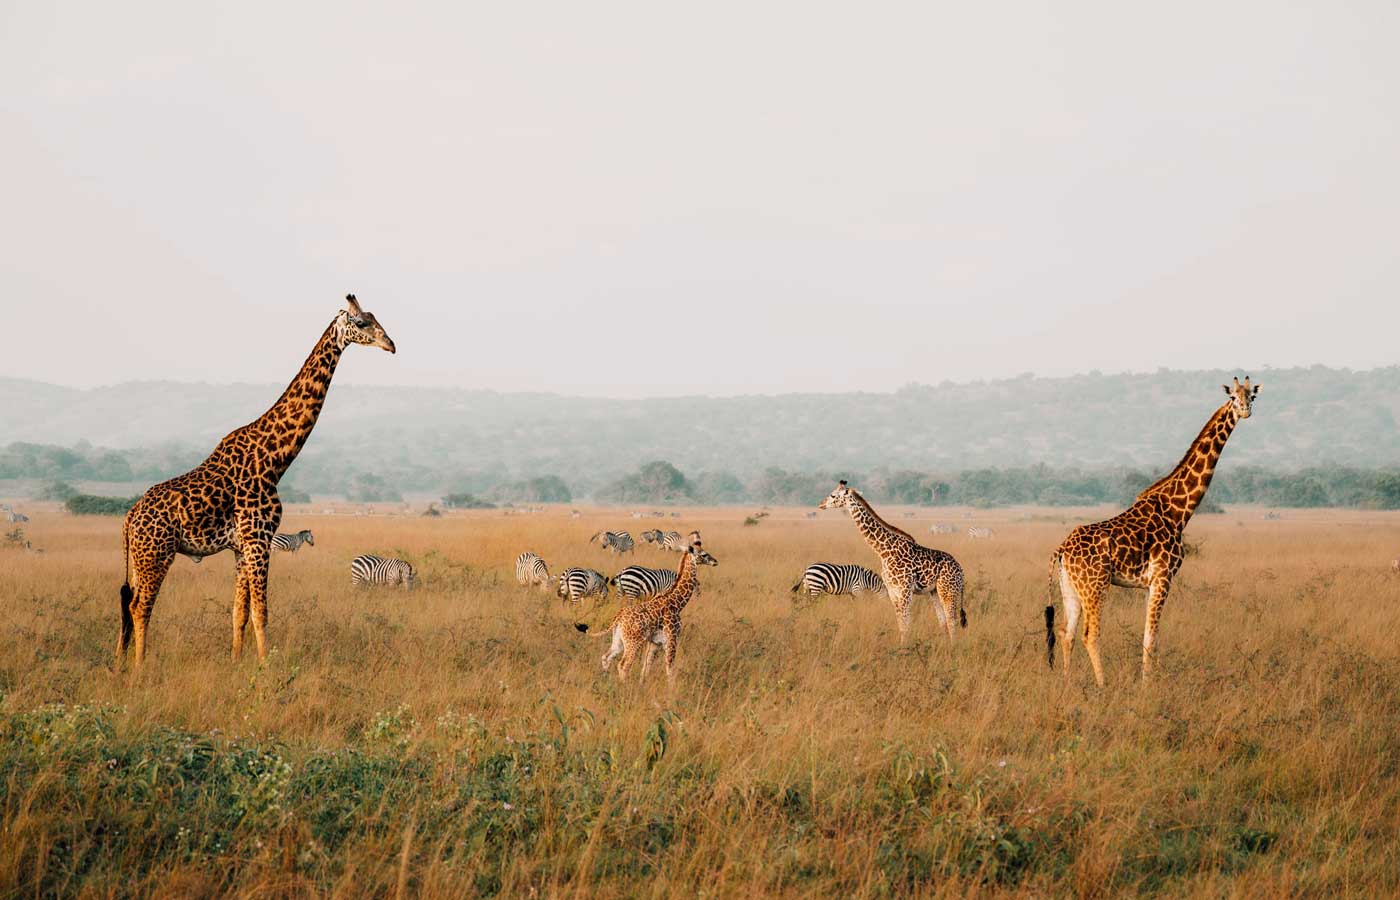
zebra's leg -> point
(240, 604)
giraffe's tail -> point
(1050, 612)
(124, 629)
(796, 587)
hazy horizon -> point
(648, 202)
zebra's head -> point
(838, 498)
(651, 536)
(355, 326)
(1242, 396)
(306, 536)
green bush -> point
(93, 505)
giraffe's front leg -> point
(1156, 599)
(240, 605)
(255, 537)
(902, 598)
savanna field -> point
(460, 739)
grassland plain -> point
(460, 740)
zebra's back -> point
(638, 582)
(830, 578)
(576, 583)
(380, 570)
(530, 569)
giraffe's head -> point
(306, 536)
(1242, 396)
(702, 556)
(838, 498)
(355, 326)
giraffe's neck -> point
(1184, 487)
(879, 534)
(282, 431)
(687, 577)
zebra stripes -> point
(576, 583)
(531, 570)
(291, 543)
(381, 570)
(980, 533)
(666, 540)
(637, 582)
(619, 542)
(828, 578)
(943, 528)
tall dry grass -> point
(461, 740)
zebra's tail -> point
(1050, 613)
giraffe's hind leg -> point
(240, 605)
(148, 573)
(950, 601)
(1069, 597)
(1091, 592)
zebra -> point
(531, 570)
(637, 582)
(828, 578)
(1395, 565)
(943, 528)
(14, 517)
(368, 570)
(811, 515)
(977, 533)
(666, 540)
(619, 542)
(576, 583)
(291, 543)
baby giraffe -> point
(656, 622)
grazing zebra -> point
(381, 570)
(576, 583)
(811, 515)
(827, 578)
(291, 543)
(980, 533)
(531, 570)
(14, 517)
(1395, 565)
(943, 528)
(666, 540)
(619, 542)
(576, 515)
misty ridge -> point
(1319, 436)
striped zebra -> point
(943, 528)
(381, 570)
(619, 542)
(576, 583)
(636, 582)
(828, 578)
(531, 570)
(291, 543)
(980, 533)
(666, 540)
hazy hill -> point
(427, 438)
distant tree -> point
(465, 501)
(92, 505)
(366, 487)
(545, 489)
(56, 490)
(656, 482)
(717, 488)
(292, 494)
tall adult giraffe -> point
(1141, 546)
(909, 568)
(229, 501)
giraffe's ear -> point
(353, 306)
(1226, 388)
(843, 482)
(1254, 393)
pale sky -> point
(653, 199)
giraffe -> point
(655, 622)
(909, 568)
(229, 501)
(1141, 546)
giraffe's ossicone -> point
(229, 501)
(1141, 546)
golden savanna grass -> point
(460, 740)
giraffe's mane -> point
(1190, 450)
(866, 503)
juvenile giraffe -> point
(909, 568)
(1141, 546)
(229, 501)
(655, 622)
